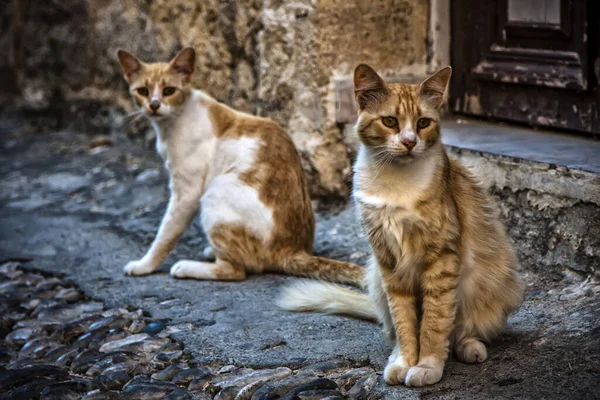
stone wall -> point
(271, 57)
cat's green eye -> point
(423, 123)
(143, 91)
(390, 122)
(168, 91)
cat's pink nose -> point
(154, 105)
(409, 144)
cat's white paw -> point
(395, 371)
(137, 268)
(471, 351)
(180, 270)
(423, 375)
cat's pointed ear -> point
(433, 89)
(130, 64)
(368, 86)
(184, 62)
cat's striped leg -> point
(403, 310)
(439, 283)
(221, 270)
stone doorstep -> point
(567, 167)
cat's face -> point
(399, 122)
(159, 89)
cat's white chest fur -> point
(389, 195)
(393, 187)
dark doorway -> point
(528, 61)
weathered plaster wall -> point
(271, 57)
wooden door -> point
(529, 61)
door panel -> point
(529, 61)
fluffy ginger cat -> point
(442, 268)
(244, 174)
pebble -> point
(116, 344)
(114, 312)
(46, 304)
(180, 394)
(68, 357)
(34, 345)
(47, 284)
(148, 346)
(84, 360)
(65, 390)
(92, 339)
(153, 328)
(69, 295)
(278, 389)
(168, 373)
(112, 380)
(74, 328)
(110, 322)
(162, 359)
(53, 354)
(144, 389)
(101, 395)
(347, 379)
(112, 335)
(102, 362)
(65, 313)
(229, 388)
(11, 269)
(184, 377)
(363, 387)
(21, 336)
(201, 382)
(316, 384)
(225, 369)
(30, 304)
(319, 395)
(137, 326)
(171, 329)
(47, 326)
(171, 346)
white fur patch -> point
(194, 270)
(397, 186)
(227, 200)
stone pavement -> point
(81, 208)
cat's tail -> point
(327, 298)
(309, 266)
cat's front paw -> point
(423, 375)
(395, 372)
(137, 268)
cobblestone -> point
(95, 355)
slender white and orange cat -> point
(243, 173)
(443, 268)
